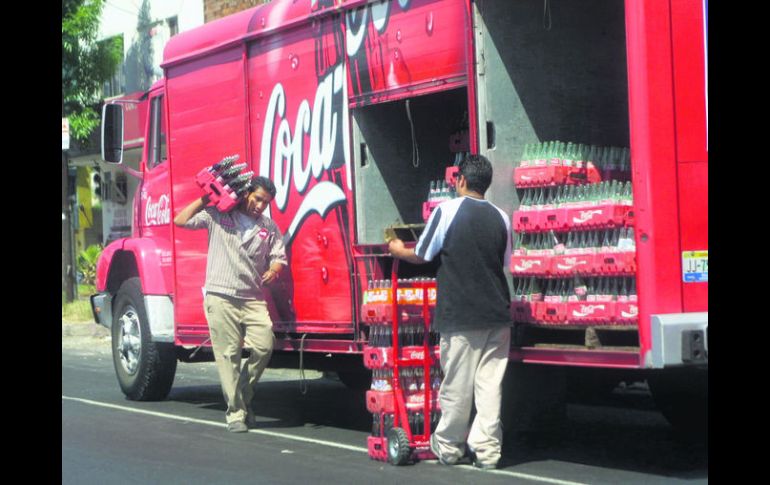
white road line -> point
(217, 424)
(332, 444)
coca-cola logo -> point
(356, 21)
(586, 310)
(285, 156)
(633, 311)
(527, 264)
(586, 215)
(157, 213)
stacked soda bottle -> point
(601, 278)
(440, 192)
(379, 356)
(225, 182)
(613, 163)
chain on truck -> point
(594, 118)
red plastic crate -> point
(591, 311)
(377, 448)
(581, 175)
(626, 312)
(384, 401)
(539, 176)
(615, 262)
(552, 218)
(598, 216)
(526, 221)
(535, 176)
(530, 265)
(376, 313)
(379, 357)
(380, 401)
(568, 264)
(449, 175)
(548, 312)
(428, 207)
(223, 199)
(522, 311)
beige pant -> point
(234, 325)
(474, 364)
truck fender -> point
(124, 259)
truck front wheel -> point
(145, 369)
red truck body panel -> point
(667, 129)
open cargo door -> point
(553, 75)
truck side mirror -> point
(112, 133)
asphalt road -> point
(320, 436)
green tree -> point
(86, 64)
(140, 56)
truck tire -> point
(145, 369)
(682, 397)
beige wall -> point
(215, 9)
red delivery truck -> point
(594, 115)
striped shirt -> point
(241, 249)
(472, 237)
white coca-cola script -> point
(321, 123)
(157, 213)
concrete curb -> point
(83, 329)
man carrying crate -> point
(473, 240)
(245, 253)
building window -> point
(173, 26)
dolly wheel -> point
(398, 446)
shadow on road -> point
(326, 402)
(622, 432)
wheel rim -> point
(393, 447)
(129, 342)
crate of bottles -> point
(558, 163)
(615, 262)
(591, 311)
(598, 205)
(553, 312)
(626, 312)
(567, 264)
(377, 306)
(531, 265)
(224, 183)
(587, 252)
(575, 299)
(600, 215)
(380, 397)
(377, 357)
(440, 191)
(522, 311)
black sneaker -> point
(251, 422)
(477, 464)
